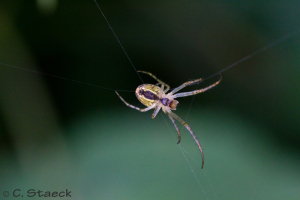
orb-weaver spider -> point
(155, 97)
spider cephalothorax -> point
(155, 97)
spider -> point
(157, 98)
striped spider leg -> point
(159, 81)
(155, 97)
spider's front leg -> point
(134, 107)
(177, 129)
(184, 94)
(190, 130)
(184, 85)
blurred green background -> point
(56, 134)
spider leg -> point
(189, 129)
(131, 106)
(184, 94)
(173, 121)
(184, 85)
(159, 81)
(156, 110)
(161, 87)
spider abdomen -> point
(147, 94)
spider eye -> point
(173, 104)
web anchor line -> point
(264, 48)
(112, 30)
(62, 78)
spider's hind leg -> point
(134, 107)
(159, 81)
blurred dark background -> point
(57, 134)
